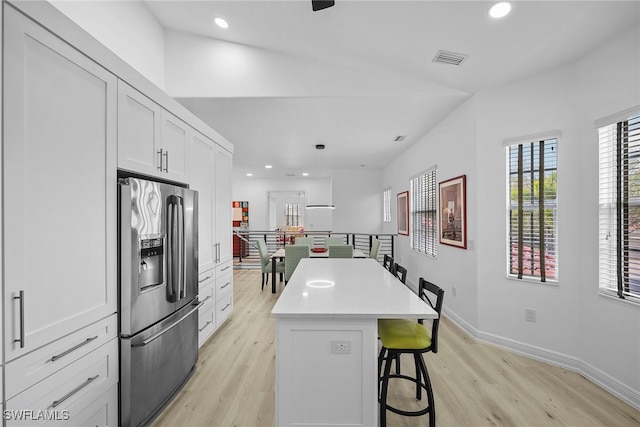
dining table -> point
(327, 340)
(315, 252)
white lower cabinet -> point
(224, 292)
(206, 313)
(26, 371)
(61, 398)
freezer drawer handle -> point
(157, 335)
(74, 391)
(21, 339)
(74, 348)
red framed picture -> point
(403, 213)
(453, 212)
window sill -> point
(533, 280)
(606, 293)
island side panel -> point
(326, 372)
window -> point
(292, 214)
(423, 212)
(619, 201)
(532, 209)
(386, 205)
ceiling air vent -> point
(452, 58)
(399, 138)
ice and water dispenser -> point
(151, 262)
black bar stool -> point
(400, 336)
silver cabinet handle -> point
(160, 162)
(205, 325)
(166, 161)
(226, 306)
(225, 285)
(21, 339)
(226, 268)
(208, 296)
(74, 391)
(206, 278)
(74, 348)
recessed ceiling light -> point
(305, 173)
(221, 22)
(249, 174)
(268, 166)
(499, 10)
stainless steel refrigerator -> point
(158, 309)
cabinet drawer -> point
(225, 268)
(206, 324)
(205, 277)
(224, 285)
(68, 390)
(102, 412)
(207, 296)
(26, 371)
(224, 307)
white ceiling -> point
(378, 80)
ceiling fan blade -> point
(321, 4)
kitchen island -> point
(327, 340)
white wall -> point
(451, 147)
(127, 28)
(256, 190)
(357, 195)
(576, 327)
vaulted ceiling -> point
(359, 74)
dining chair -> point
(388, 262)
(329, 241)
(304, 241)
(400, 272)
(340, 251)
(375, 249)
(404, 336)
(265, 263)
(292, 256)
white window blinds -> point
(532, 210)
(386, 208)
(423, 212)
(619, 207)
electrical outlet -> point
(453, 291)
(530, 315)
(341, 347)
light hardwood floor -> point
(475, 384)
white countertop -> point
(348, 288)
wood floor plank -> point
(475, 384)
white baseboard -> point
(618, 389)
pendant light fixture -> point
(320, 162)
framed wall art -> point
(453, 212)
(403, 213)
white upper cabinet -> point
(151, 140)
(59, 183)
(201, 179)
(223, 209)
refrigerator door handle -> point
(182, 271)
(168, 328)
(171, 294)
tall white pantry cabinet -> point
(72, 115)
